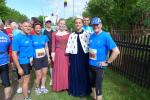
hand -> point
(101, 64)
(53, 56)
(20, 71)
(49, 60)
(31, 61)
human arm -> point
(114, 54)
(111, 46)
(47, 52)
(16, 62)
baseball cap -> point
(47, 19)
(96, 20)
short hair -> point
(34, 19)
(38, 23)
(23, 21)
(8, 21)
(78, 18)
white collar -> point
(59, 33)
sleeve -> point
(15, 44)
(53, 41)
(10, 50)
(110, 42)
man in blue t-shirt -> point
(100, 44)
(4, 60)
(22, 55)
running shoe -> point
(44, 90)
(38, 91)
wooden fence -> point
(134, 60)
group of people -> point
(77, 60)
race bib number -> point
(40, 53)
(93, 54)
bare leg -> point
(38, 77)
(7, 92)
(99, 97)
(25, 85)
(94, 93)
(44, 75)
(19, 90)
(51, 76)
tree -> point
(120, 13)
(8, 13)
(70, 23)
(3, 8)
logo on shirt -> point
(3, 39)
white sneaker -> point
(38, 91)
(44, 90)
(19, 90)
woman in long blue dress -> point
(77, 47)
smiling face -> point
(86, 21)
(26, 27)
(78, 24)
(62, 25)
(38, 29)
(48, 24)
(97, 28)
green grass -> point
(115, 87)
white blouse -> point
(72, 46)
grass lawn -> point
(115, 87)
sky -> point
(34, 8)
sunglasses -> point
(95, 24)
(48, 22)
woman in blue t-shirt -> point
(40, 58)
